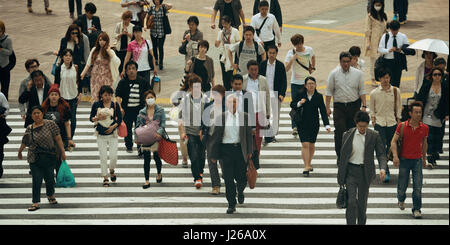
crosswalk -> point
(282, 195)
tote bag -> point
(65, 177)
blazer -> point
(31, 97)
(245, 135)
(275, 9)
(373, 143)
(310, 118)
(442, 110)
(264, 87)
(280, 81)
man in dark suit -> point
(90, 24)
(357, 166)
(232, 142)
(35, 94)
(274, 8)
(275, 74)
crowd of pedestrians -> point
(225, 124)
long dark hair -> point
(375, 14)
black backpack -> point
(241, 46)
(12, 58)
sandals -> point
(33, 208)
(52, 200)
(106, 183)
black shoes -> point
(231, 210)
(241, 198)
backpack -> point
(12, 57)
(241, 46)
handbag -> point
(122, 128)
(55, 64)
(390, 156)
(342, 198)
(168, 150)
(166, 23)
(252, 174)
(145, 134)
(65, 177)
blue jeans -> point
(296, 90)
(407, 165)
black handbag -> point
(166, 23)
(342, 197)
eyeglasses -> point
(437, 74)
(74, 33)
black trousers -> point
(147, 159)
(396, 71)
(72, 6)
(197, 155)
(234, 168)
(343, 115)
(130, 118)
(5, 79)
(158, 48)
(358, 193)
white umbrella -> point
(431, 45)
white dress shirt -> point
(270, 74)
(231, 132)
(359, 141)
(401, 39)
(271, 26)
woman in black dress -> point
(308, 127)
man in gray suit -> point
(357, 166)
(232, 142)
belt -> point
(356, 165)
(233, 144)
(348, 103)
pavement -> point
(328, 26)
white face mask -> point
(377, 8)
(151, 101)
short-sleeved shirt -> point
(248, 53)
(140, 54)
(299, 73)
(412, 140)
(43, 136)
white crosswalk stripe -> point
(282, 194)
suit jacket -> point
(264, 87)
(442, 110)
(245, 135)
(280, 81)
(31, 97)
(275, 9)
(82, 21)
(310, 118)
(373, 143)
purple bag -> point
(145, 134)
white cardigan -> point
(113, 66)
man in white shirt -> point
(393, 52)
(232, 141)
(356, 169)
(266, 25)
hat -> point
(54, 88)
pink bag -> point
(122, 129)
(145, 134)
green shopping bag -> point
(65, 177)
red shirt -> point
(412, 140)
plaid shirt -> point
(44, 137)
(158, 30)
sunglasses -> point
(437, 74)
